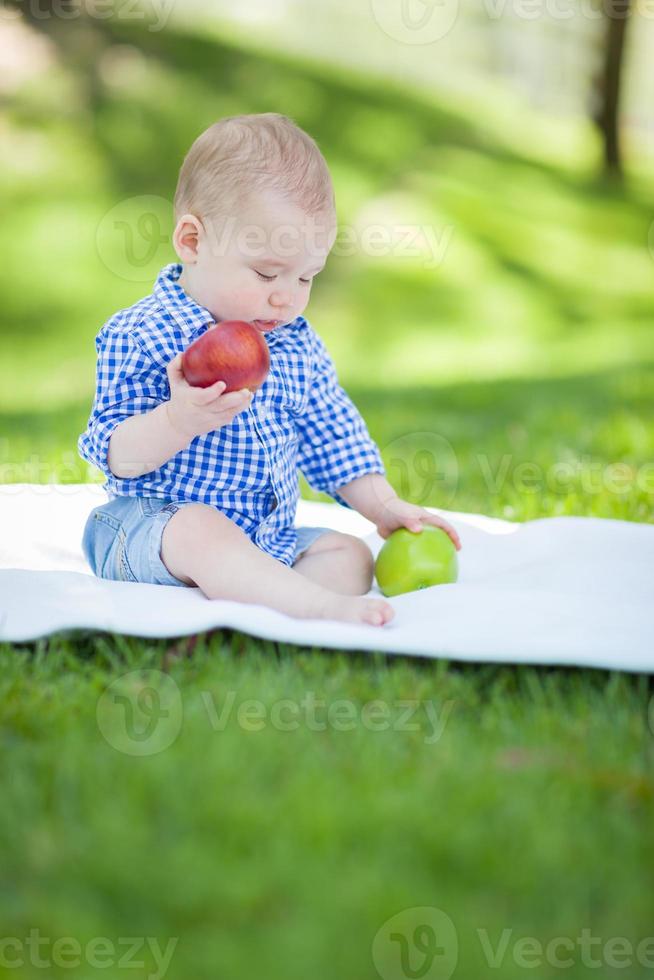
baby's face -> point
(257, 266)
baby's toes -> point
(377, 612)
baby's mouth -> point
(267, 324)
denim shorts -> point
(122, 539)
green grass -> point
(283, 853)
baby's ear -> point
(186, 237)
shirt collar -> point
(190, 316)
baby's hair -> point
(241, 155)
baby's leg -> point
(341, 562)
(203, 547)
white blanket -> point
(576, 591)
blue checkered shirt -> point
(300, 417)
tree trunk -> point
(617, 12)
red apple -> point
(232, 351)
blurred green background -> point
(520, 323)
(519, 332)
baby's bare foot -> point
(352, 609)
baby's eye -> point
(305, 282)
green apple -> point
(410, 560)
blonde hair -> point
(239, 156)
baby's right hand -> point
(195, 411)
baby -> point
(203, 484)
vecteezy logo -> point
(416, 944)
(415, 21)
(140, 713)
(134, 237)
(423, 467)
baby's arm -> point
(338, 456)
(335, 446)
(144, 442)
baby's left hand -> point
(396, 513)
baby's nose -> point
(279, 299)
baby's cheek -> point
(248, 298)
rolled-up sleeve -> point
(128, 382)
(335, 445)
